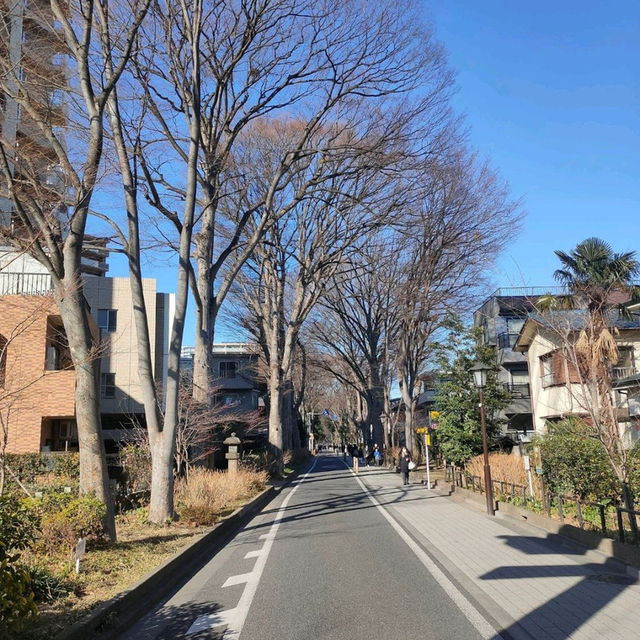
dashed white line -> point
(235, 618)
(253, 554)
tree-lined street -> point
(335, 556)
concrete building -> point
(32, 58)
(500, 319)
(235, 378)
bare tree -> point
(302, 251)
(309, 61)
(459, 219)
(354, 324)
(50, 182)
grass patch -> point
(106, 571)
(109, 569)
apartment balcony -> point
(618, 373)
(507, 340)
(519, 390)
(19, 283)
(506, 354)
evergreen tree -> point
(459, 424)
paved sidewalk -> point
(526, 582)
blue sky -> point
(551, 92)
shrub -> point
(504, 468)
(207, 495)
(65, 517)
(46, 585)
(66, 466)
(136, 463)
(17, 531)
(573, 461)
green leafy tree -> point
(573, 461)
(459, 425)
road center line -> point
(471, 613)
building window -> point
(558, 368)
(228, 399)
(108, 319)
(552, 369)
(228, 369)
(108, 385)
(58, 355)
(4, 343)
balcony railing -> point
(18, 283)
(507, 340)
(617, 373)
(519, 390)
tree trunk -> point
(94, 478)
(276, 440)
(205, 317)
(161, 504)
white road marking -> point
(239, 579)
(235, 618)
(253, 554)
(211, 620)
(471, 613)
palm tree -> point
(592, 272)
(597, 279)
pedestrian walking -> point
(403, 463)
(377, 455)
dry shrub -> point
(505, 467)
(209, 495)
(294, 457)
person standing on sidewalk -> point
(403, 463)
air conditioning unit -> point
(68, 430)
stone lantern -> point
(234, 445)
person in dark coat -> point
(403, 463)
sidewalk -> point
(526, 582)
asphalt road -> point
(321, 561)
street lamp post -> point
(480, 371)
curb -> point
(111, 617)
(592, 540)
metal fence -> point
(565, 507)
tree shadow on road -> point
(173, 622)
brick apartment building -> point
(37, 380)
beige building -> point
(112, 310)
(556, 388)
(36, 377)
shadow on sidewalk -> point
(561, 615)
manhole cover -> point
(612, 578)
